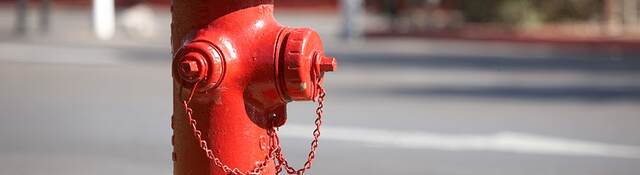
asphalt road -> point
(105, 110)
(393, 107)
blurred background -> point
(438, 87)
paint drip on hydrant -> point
(235, 68)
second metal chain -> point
(209, 153)
(275, 151)
(282, 162)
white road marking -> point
(501, 142)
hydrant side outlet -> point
(302, 64)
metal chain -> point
(209, 153)
(282, 162)
(275, 151)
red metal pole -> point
(235, 69)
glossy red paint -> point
(246, 67)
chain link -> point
(275, 150)
(282, 161)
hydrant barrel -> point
(235, 68)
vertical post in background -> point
(104, 19)
(613, 21)
(45, 15)
(21, 17)
(630, 15)
(351, 18)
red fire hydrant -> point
(235, 69)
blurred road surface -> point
(78, 106)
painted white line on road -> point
(500, 142)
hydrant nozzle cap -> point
(189, 67)
(328, 64)
(303, 64)
(192, 67)
(198, 62)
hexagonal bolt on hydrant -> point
(235, 68)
